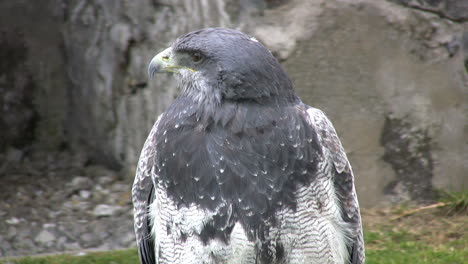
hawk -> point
(238, 169)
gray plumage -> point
(238, 169)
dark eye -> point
(196, 57)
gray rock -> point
(6, 248)
(80, 183)
(106, 210)
(88, 240)
(82, 205)
(60, 243)
(119, 187)
(54, 214)
(103, 235)
(105, 247)
(49, 226)
(126, 239)
(12, 231)
(72, 246)
(73, 233)
(105, 180)
(24, 231)
(85, 194)
(26, 244)
(45, 237)
(3, 244)
(14, 155)
(102, 174)
(111, 198)
(102, 190)
(13, 221)
(68, 205)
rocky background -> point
(76, 104)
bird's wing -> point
(142, 197)
(343, 180)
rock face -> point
(409, 152)
(17, 113)
(456, 10)
(391, 75)
(33, 82)
(108, 45)
(392, 80)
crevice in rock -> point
(18, 115)
(408, 151)
(456, 11)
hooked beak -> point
(166, 61)
(161, 63)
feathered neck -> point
(210, 105)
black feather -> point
(255, 161)
(146, 245)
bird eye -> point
(196, 57)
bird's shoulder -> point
(342, 177)
(142, 184)
(334, 153)
(327, 137)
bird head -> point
(224, 62)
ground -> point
(55, 202)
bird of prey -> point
(238, 169)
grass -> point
(455, 202)
(401, 247)
(428, 236)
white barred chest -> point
(313, 233)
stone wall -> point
(391, 79)
(108, 45)
(391, 75)
(33, 84)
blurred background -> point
(76, 104)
